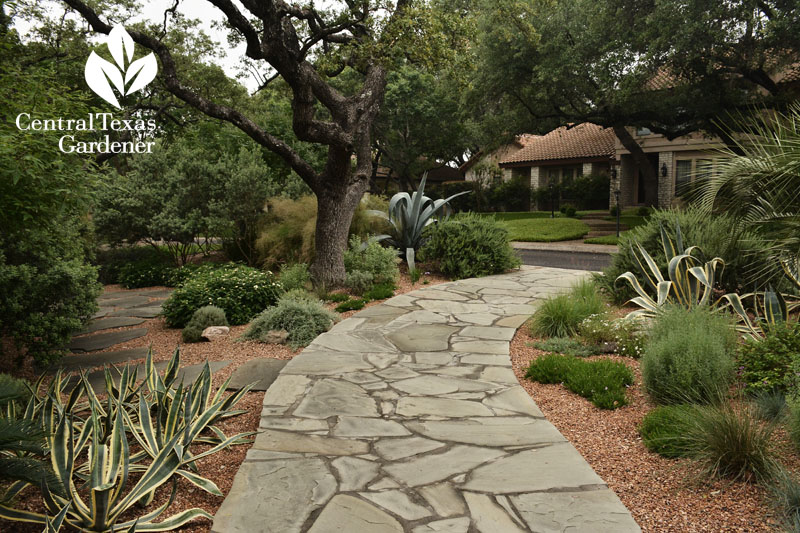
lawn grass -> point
(546, 229)
(631, 221)
(522, 215)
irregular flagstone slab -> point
(351, 426)
(285, 490)
(444, 499)
(262, 371)
(502, 431)
(436, 385)
(488, 333)
(330, 397)
(438, 294)
(126, 300)
(596, 511)
(397, 502)
(103, 311)
(322, 363)
(419, 317)
(435, 358)
(451, 525)
(488, 516)
(293, 424)
(393, 449)
(481, 319)
(514, 399)
(556, 466)
(286, 390)
(109, 323)
(348, 342)
(288, 441)
(422, 337)
(486, 359)
(444, 407)
(437, 467)
(440, 306)
(513, 321)
(188, 374)
(141, 312)
(494, 347)
(499, 374)
(91, 360)
(355, 473)
(346, 513)
(101, 341)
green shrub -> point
(111, 261)
(242, 292)
(358, 281)
(785, 499)
(643, 211)
(689, 358)
(613, 210)
(566, 346)
(380, 291)
(770, 405)
(602, 382)
(469, 245)
(561, 315)
(729, 441)
(745, 255)
(145, 273)
(377, 260)
(336, 297)
(203, 318)
(304, 320)
(570, 211)
(663, 429)
(351, 305)
(13, 389)
(551, 368)
(794, 421)
(299, 295)
(295, 276)
(48, 289)
(765, 364)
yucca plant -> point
(408, 216)
(689, 282)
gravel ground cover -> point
(664, 495)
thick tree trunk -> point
(649, 173)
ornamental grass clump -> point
(203, 318)
(242, 292)
(663, 430)
(689, 356)
(303, 320)
(562, 315)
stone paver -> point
(110, 323)
(262, 371)
(408, 418)
(91, 360)
(102, 341)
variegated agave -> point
(88, 446)
(689, 282)
(408, 216)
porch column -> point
(666, 184)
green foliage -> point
(663, 430)
(562, 315)
(358, 281)
(145, 273)
(727, 440)
(766, 364)
(300, 295)
(566, 346)
(288, 232)
(689, 358)
(409, 215)
(570, 211)
(353, 304)
(112, 260)
(469, 246)
(510, 195)
(204, 317)
(89, 443)
(380, 292)
(546, 229)
(372, 258)
(337, 297)
(785, 499)
(294, 276)
(605, 240)
(242, 292)
(643, 211)
(602, 382)
(304, 320)
(743, 253)
(770, 405)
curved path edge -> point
(407, 417)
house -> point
(479, 166)
(562, 155)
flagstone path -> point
(407, 417)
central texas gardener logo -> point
(101, 75)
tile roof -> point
(567, 142)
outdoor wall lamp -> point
(663, 170)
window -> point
(687, 170)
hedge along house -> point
(561, 156)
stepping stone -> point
(187, 374)
(91, 360)
(263, 370)
(141, 312)
(422, 337)
(346, 513)
(103, 311)
(125, 301)
(110, 323)
(105, 340)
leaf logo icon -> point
(102, 75)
